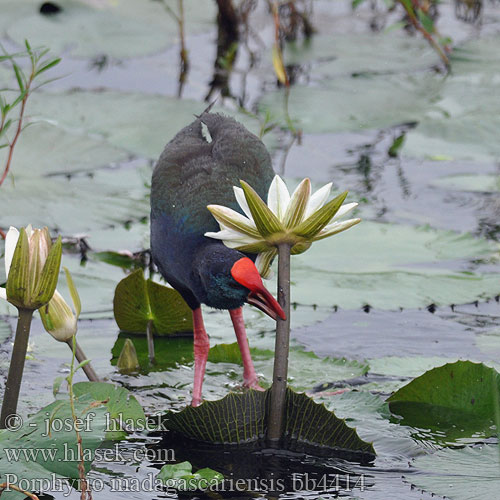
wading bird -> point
(199, 167)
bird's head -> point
(230, 279)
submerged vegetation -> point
(387, 360)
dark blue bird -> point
(199, 167)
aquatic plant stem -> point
(282, 345)
(85, 493)
(428, 36)
(151, 342)
(16, 368)
(80, 356)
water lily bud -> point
(57, 317)
(34, 268)
(128, 361)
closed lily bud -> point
(32, 267)
(57, 317)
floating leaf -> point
(460, 394)
(55, 457)
(181, 477)
(242, 418)
(138, 301)
(463, 474)
(170, 352)
(125, 412)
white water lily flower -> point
(297, 220)
(10, 246)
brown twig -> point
(4, 486)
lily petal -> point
(233, 220)
(242, 201)
(343, 210)
(278, 197)
(3, 293)
(230, 235)
(263, 263)
(298, 202)
(318, 199)
(10, 246)
(336, 227)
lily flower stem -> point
(278, 391)
(16, 368)
(80, 356)
(151, 342)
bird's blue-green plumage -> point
(199, 167)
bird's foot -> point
(196, 402)
(252, 383)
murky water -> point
(396, 342)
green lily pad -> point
(489, 343)
(242, 419)
(461, 395)
(470, 182)
(138, 301)
(463, 121)
(119, 30)
(119, 117)
(343, 55)
(170, 353)
(180, 476)
(5, 332)
(125, 412)
(51, 454)
(44, 149)
(390, 266)
(344, 104)
(463, 474)
(305, 368)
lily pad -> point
(470, 182)
(344, 104)
(50, 453)
(44, 149)
(123, 30)
(125, 412)
(345, 55)
(5, 332)
(461, 395)
(181, 477)
(463, 474)
(463, 121)
(305, 368)
(120, 117)
(170, 353)
(138, 301)
(242, 419)
(390, 266)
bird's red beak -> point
(246, 274)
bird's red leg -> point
(201, 348)
(250, 378)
